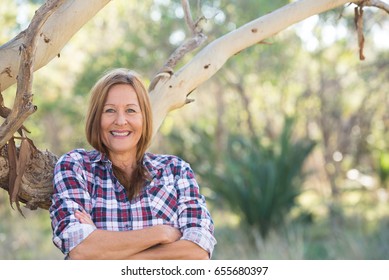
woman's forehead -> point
(122, 94)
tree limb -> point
(188, 16)
(197, 39)
(56, 32)
(172, 94)
(23, 106)
(375, 3)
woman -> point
(119, 201)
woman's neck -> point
(124, 162)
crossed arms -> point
(156, 242)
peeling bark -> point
(36, 184)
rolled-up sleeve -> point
(70, 194)
(194, 218)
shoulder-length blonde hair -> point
(98, 95)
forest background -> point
(289, 140)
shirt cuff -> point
(201, 237)
(73, 236)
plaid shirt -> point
(85, 180)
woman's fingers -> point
(83, 217)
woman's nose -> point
(120, 119)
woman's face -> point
(121, 122)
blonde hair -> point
(98, 95)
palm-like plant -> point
(258, 182)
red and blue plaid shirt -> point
(84, 180)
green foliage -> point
(262, 182)
(357, 239)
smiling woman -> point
(121, 130)
(121, 124)
(119, 201)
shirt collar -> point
(97, 156)
(154, 166)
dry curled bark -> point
(358, 21)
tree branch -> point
(188, 16)
(374, 3)
(197, 39)
(23, 106)
(173, 93)
(56, 32)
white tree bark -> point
(57, 31)
(172, 92)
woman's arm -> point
(150, 244)
(104, 244)
(179, 250)
(194, 220)
(145, 239)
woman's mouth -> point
(120, 133)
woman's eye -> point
(109, 110)
(130, 111)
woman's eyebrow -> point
(130, 104)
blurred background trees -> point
(288, 140)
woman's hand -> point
(170, 234)
(83, 217)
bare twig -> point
(188, 15)
(374, 3)
(197, 39)
(5, 111)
